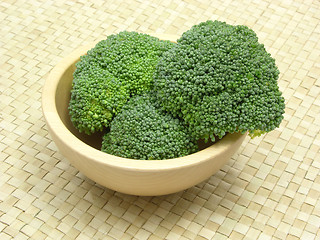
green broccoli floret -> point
(220, 79)
(96, 97)
(129, 56)
(109, 74)
(143, 131)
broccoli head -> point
(116, 69)
(220, 79)
(142, 131)
(96, 97)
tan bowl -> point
(136, 177)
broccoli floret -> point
(130, 56)
(143, 131)
(220, 79)
(109, 74)
(96, 97)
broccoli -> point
(142, 131)
(96, 97)
(219, 79)
(157, 98)
(116, 69)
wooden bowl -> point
(136, 177)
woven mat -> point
(269, 190)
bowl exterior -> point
(137, 180)
(136, 177)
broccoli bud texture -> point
(143, 131)
(96, 97)
(219, 79)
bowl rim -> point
(59, 130)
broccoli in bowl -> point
(155, 99)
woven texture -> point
(269, 190)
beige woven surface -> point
(269, 190)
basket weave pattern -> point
(270, 189)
